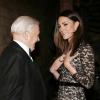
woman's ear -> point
(76, 25)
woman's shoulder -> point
(85, 47)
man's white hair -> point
(23, 24)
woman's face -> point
(66, 27)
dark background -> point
(46, 11)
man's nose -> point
(38, 39)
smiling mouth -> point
(63, 34)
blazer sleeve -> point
(11, 78)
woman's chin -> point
(64, 37)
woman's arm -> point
(56, 64)
(67, 63)
(87, 61)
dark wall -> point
(90, 12)
(46, 11)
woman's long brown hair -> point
(63, 45)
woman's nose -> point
(61, 29)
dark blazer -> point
(20, 78)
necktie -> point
(31, 58)
(30, 55)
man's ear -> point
(76, 25)
(26, 35)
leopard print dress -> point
(84, 64)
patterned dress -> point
(84, 64)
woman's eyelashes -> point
(64, 24)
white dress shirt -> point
(25, 48)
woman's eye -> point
(65, 24)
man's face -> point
(34, 37)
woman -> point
(74, 68)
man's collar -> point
(26, 48)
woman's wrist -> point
(71, 69)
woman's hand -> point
(57, 63)
(67, 63)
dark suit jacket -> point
(20, 78)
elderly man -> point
(20, 78)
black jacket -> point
(20, 78)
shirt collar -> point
(26, 49)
